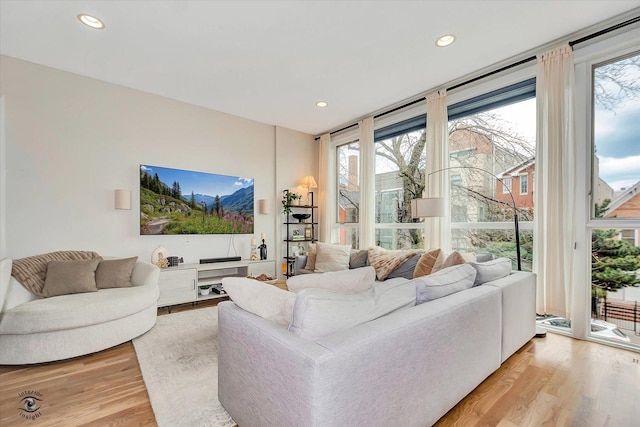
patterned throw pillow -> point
(385, 261)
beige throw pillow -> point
(115, 273)
(429, 263)
(311, 257)
(456, 258)
(264, 300)
(70, 277)
(332, 257)
(31, 271)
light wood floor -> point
(552, 381)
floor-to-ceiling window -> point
(400, 163)
(491, 170)
(615, 201)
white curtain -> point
(554, 182)
(367, 184)
(437, 229)
(326, 172)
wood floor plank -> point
(553, 381)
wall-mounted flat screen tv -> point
(176, 201)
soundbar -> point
(223, 259)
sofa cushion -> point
(70, 277)
(31, 271)
(320, 312)
(346, 281)
(385, 261)
(311, 257)
(115, 273)
(491, 270)
(406, 269)
(332, 257)
(444, 282)
(77, 310)
(262, 299)
(359, 258)
(429, 263)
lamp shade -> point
(122, 199)
(309, 182)
(264, 207)
(426, 208)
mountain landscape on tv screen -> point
(169, 203)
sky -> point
(617, 141)
(199, 182)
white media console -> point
(179, 285)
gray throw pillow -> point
(115, 273)
(444, 282)
(358, 258)
(491, 270)
(70, 277)
(405, 269)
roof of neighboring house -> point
(517, 169)
(623, 198)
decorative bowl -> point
(301, 216)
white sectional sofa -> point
(36, 330)
(405, 368)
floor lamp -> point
(435, 206)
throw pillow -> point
(332, 257)
(115, 273)
(444, 282)
(429, 263)
(31, 271)
(311, 257)
(491, 270)
(70, 277)
(346, 281)
(385, 261)
(359, 258)
(406, 269)
(264, 300)
(457, 258)
(320, 312)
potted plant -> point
(288, 200)
(204, 289)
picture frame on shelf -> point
(308, 232)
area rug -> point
(179, 363)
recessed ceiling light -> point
(91, 21)
(321, 104)
(445, 40)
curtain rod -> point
(499, 70)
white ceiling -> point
(271, 61)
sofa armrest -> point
(518, 310)
(144, 273)
(265, 373)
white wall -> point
(72, 140)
